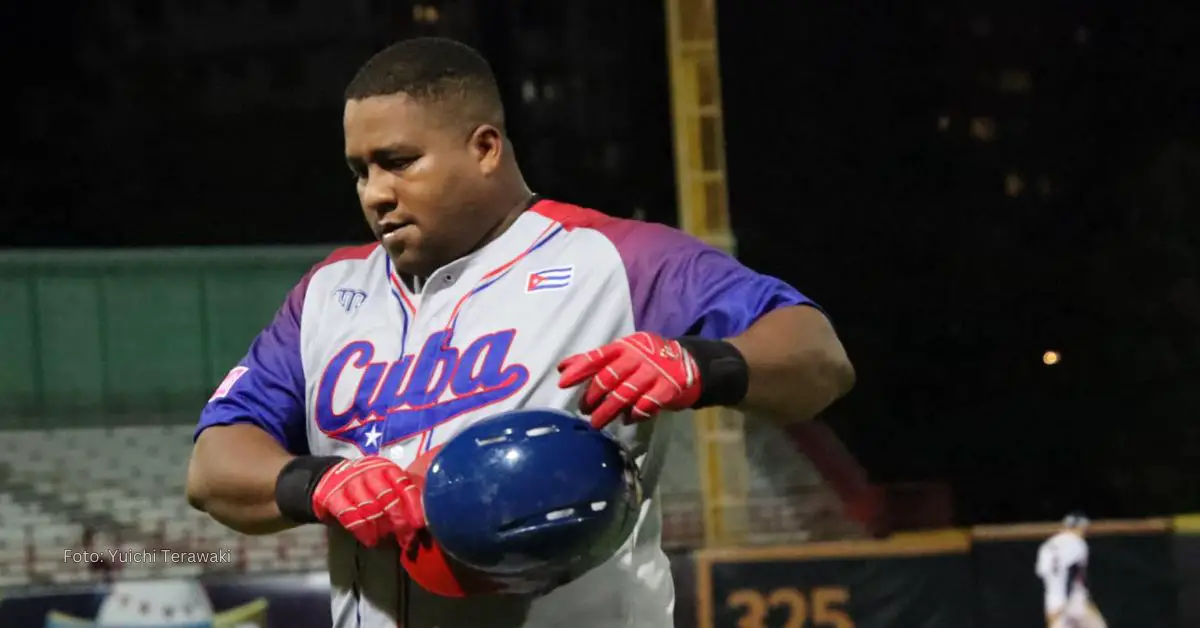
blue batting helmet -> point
(532, 497)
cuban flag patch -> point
(550, 279)
(227, 383)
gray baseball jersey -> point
(358, 363)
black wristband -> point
(295, 485)
(724, 374)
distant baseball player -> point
(1062, 565)
(480, 297)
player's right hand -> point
(372, 498)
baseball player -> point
(480, 297)
(1062, 565)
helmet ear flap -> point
(427, 564)
(434, 571)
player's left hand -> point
(635, 377)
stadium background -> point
(994, 202)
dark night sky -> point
(945, 290)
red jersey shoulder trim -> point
(572, 216)
(362, 251)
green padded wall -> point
(93, 338)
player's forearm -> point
(797, 365)
(232, 474)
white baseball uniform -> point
(357, 362)
(1062, 565)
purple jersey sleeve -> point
(266, 388)
(682, 286)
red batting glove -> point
(372, 498)
(637, 377)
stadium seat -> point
(134, 476)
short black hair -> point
(434, 70)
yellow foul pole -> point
(704, 213)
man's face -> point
(419, 179)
